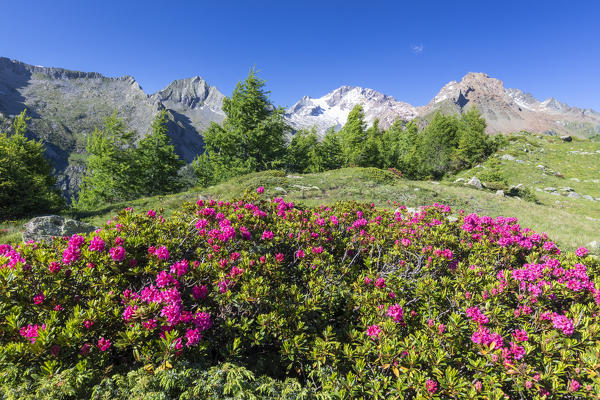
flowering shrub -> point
(348, 300)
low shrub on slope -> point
(256, 298)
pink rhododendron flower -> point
(162, 253)
(396, 312)
(103, 344)
(260, 190)
(580, 252)
(70, 255)
(117, 253)
(431, 386)
(192, 336)
(564, 324)
(199, 292)
(180, 268)
(163, 278)
(380, 283)
(97, 244)
(150, 324)
(76, 241)
(267, 235)
(129, 312)
(441, 328)
(574, 385)
(151, 213)
(373, 331)
(177, 344)
(39, 298)
(224, 285)
(476, 315)
(54, 267)
(235, 271)
(517, 351)
(202, 321)
(31, 332)
(520, 335)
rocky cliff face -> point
(66, 106)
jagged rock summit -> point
(508, 110)
(65, 106)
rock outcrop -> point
(49, 226)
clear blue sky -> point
(404, 49)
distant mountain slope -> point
(66, 105)
(506, 110)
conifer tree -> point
(111, 173)
(157, 162)
(252, 137)
(352, 135)
(331, 150)
(26, 184)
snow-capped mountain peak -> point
(333, 108)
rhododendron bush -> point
(347, 300)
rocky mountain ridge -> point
(506, 110)
(65, 106)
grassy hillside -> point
(572, 222)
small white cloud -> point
(416, 48)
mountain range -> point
(65, 106)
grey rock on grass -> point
(48, 226)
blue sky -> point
(405, 49)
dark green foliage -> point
(118, 171)
(522, 192)
(182, 381)
(331, 150)
(156, 160)
(447, 145)
(110, 175)
(303, 153)
(26, 186)
(252, 137)
(353, 135)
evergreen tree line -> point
(253, 137)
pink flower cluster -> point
(373, 331)
(13, 257)
(396, 313)
(31, 332)
(117, 253)
(97, 244)
(103, 344)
